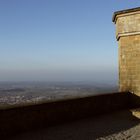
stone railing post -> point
(128, 36)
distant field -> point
(12, 93)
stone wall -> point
(36, 116)
(130, 63)
(128, 36)
(128, 24)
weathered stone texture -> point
(128, 23)
(128, 35)
(129, 61)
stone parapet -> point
(36, 116)
(127, 22)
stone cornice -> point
(127, 34)
(125, 12)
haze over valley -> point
(13, 93)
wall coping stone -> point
(126, 12)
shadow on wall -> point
(134, 100)
(40, 116)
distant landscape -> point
(12, 93)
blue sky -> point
(59, 40)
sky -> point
(59, 40)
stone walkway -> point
(120, 125)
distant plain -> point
(13, 93)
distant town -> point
(12, 93)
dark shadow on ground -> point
(84, 129)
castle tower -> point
(128, 36)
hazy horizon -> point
(74, 76)
(59, 40)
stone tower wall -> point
(128, 36)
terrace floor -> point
(119, 125)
